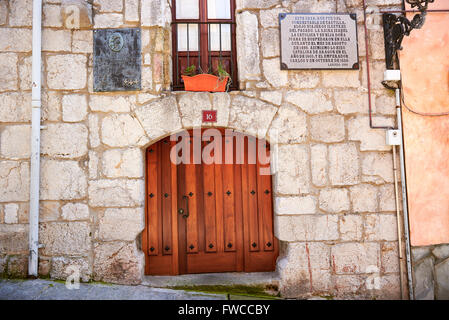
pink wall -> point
(425, 77)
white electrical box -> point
(392, 75)
(393, 137)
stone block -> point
(351, 101)
(44, 267)
(319, 164)
(292, 170)
(327, 128)
(424, 280)
(15, 142)
(67, 71)
(441, 251)
(355, 258)
(221, 102)
(108, 20)
(25, 66)
(386, 104)
(273, 73)
(381, 227)
(103, 103)
(307, 228)
(56, 40)
(247, 46)
(341, 79)
(442, 280)
(20, 13)
(419, 253)
(62, 180)
(18, 266)
(51, 106)
(14, 181)
(364, 198)
(49, 211)
(351, 227)
(132, 10)
(52, 16)
(15, 40)
(295, 205)
(65, 140)
(305, 269)
(270, 18)
(14, 238)
(289, 125)
(324, 6)
(63, 267)
(75, 211)
(82, 41)
(121, 224)
(16, 107)
(311, 101)
(387, 201)
(117, 262)
(154, 13)
(304, 79)
(8, 70)
(191, 106)
(116, 193)
(94, 136)
(377, 167)
(251, 116)
(334, 200)
(159, 118)
(76, 236)
(123, 130)
(93, 165)
(108, 5)
(123, 163)
(274, 97)
(3, 16)
(344, 164)
(74, 107)
(390, 257)
(11, 213)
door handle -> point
(181, 210)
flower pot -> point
(204, 82)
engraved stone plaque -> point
(117, 60)
(318, 41)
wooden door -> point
(212, 213)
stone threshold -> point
(269, 280)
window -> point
(204, 36)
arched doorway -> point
(209, 204)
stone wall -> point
(334, 193)
(431, 272)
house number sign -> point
(318, 41)
(117, 60)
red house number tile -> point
(209, 115)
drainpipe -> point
(35, 139)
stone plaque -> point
(318, 41)
(117, 60)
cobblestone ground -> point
(51, 290)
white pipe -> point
(35, 139)
(404, 198)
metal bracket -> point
(396, 27)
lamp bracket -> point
(396, 27)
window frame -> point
(204, 54)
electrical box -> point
(392, 75)
(393, 137)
